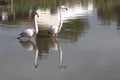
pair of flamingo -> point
(53, 30)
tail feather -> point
(20, 35)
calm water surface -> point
(87, 48)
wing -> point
(27, 33)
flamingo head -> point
(37, 14)
(63, 7)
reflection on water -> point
(108, 11)
(19, 14)
(39, 53)
(71, 31)
(74, 12)
(7, 12)
(4, 15)
(3, 2)
(30, 46)
(86, 44)
(57, 47)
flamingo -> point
(55, 29)
(31, 31)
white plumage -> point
(31, 31)
(27, 33)
(55, 29)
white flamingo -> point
(31, 31)
(55, 29)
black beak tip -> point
(66, 8)
(36, 14)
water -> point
(87, 48)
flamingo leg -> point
(55, 36)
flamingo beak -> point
(37, 14)
(66, 8)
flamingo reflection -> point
(30, 46)
(57, 47)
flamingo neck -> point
(60, 20)
(36, 24)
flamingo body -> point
(30, 32)
(55, 29)
(27, 33)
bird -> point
(30, 32)
(55, 29)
